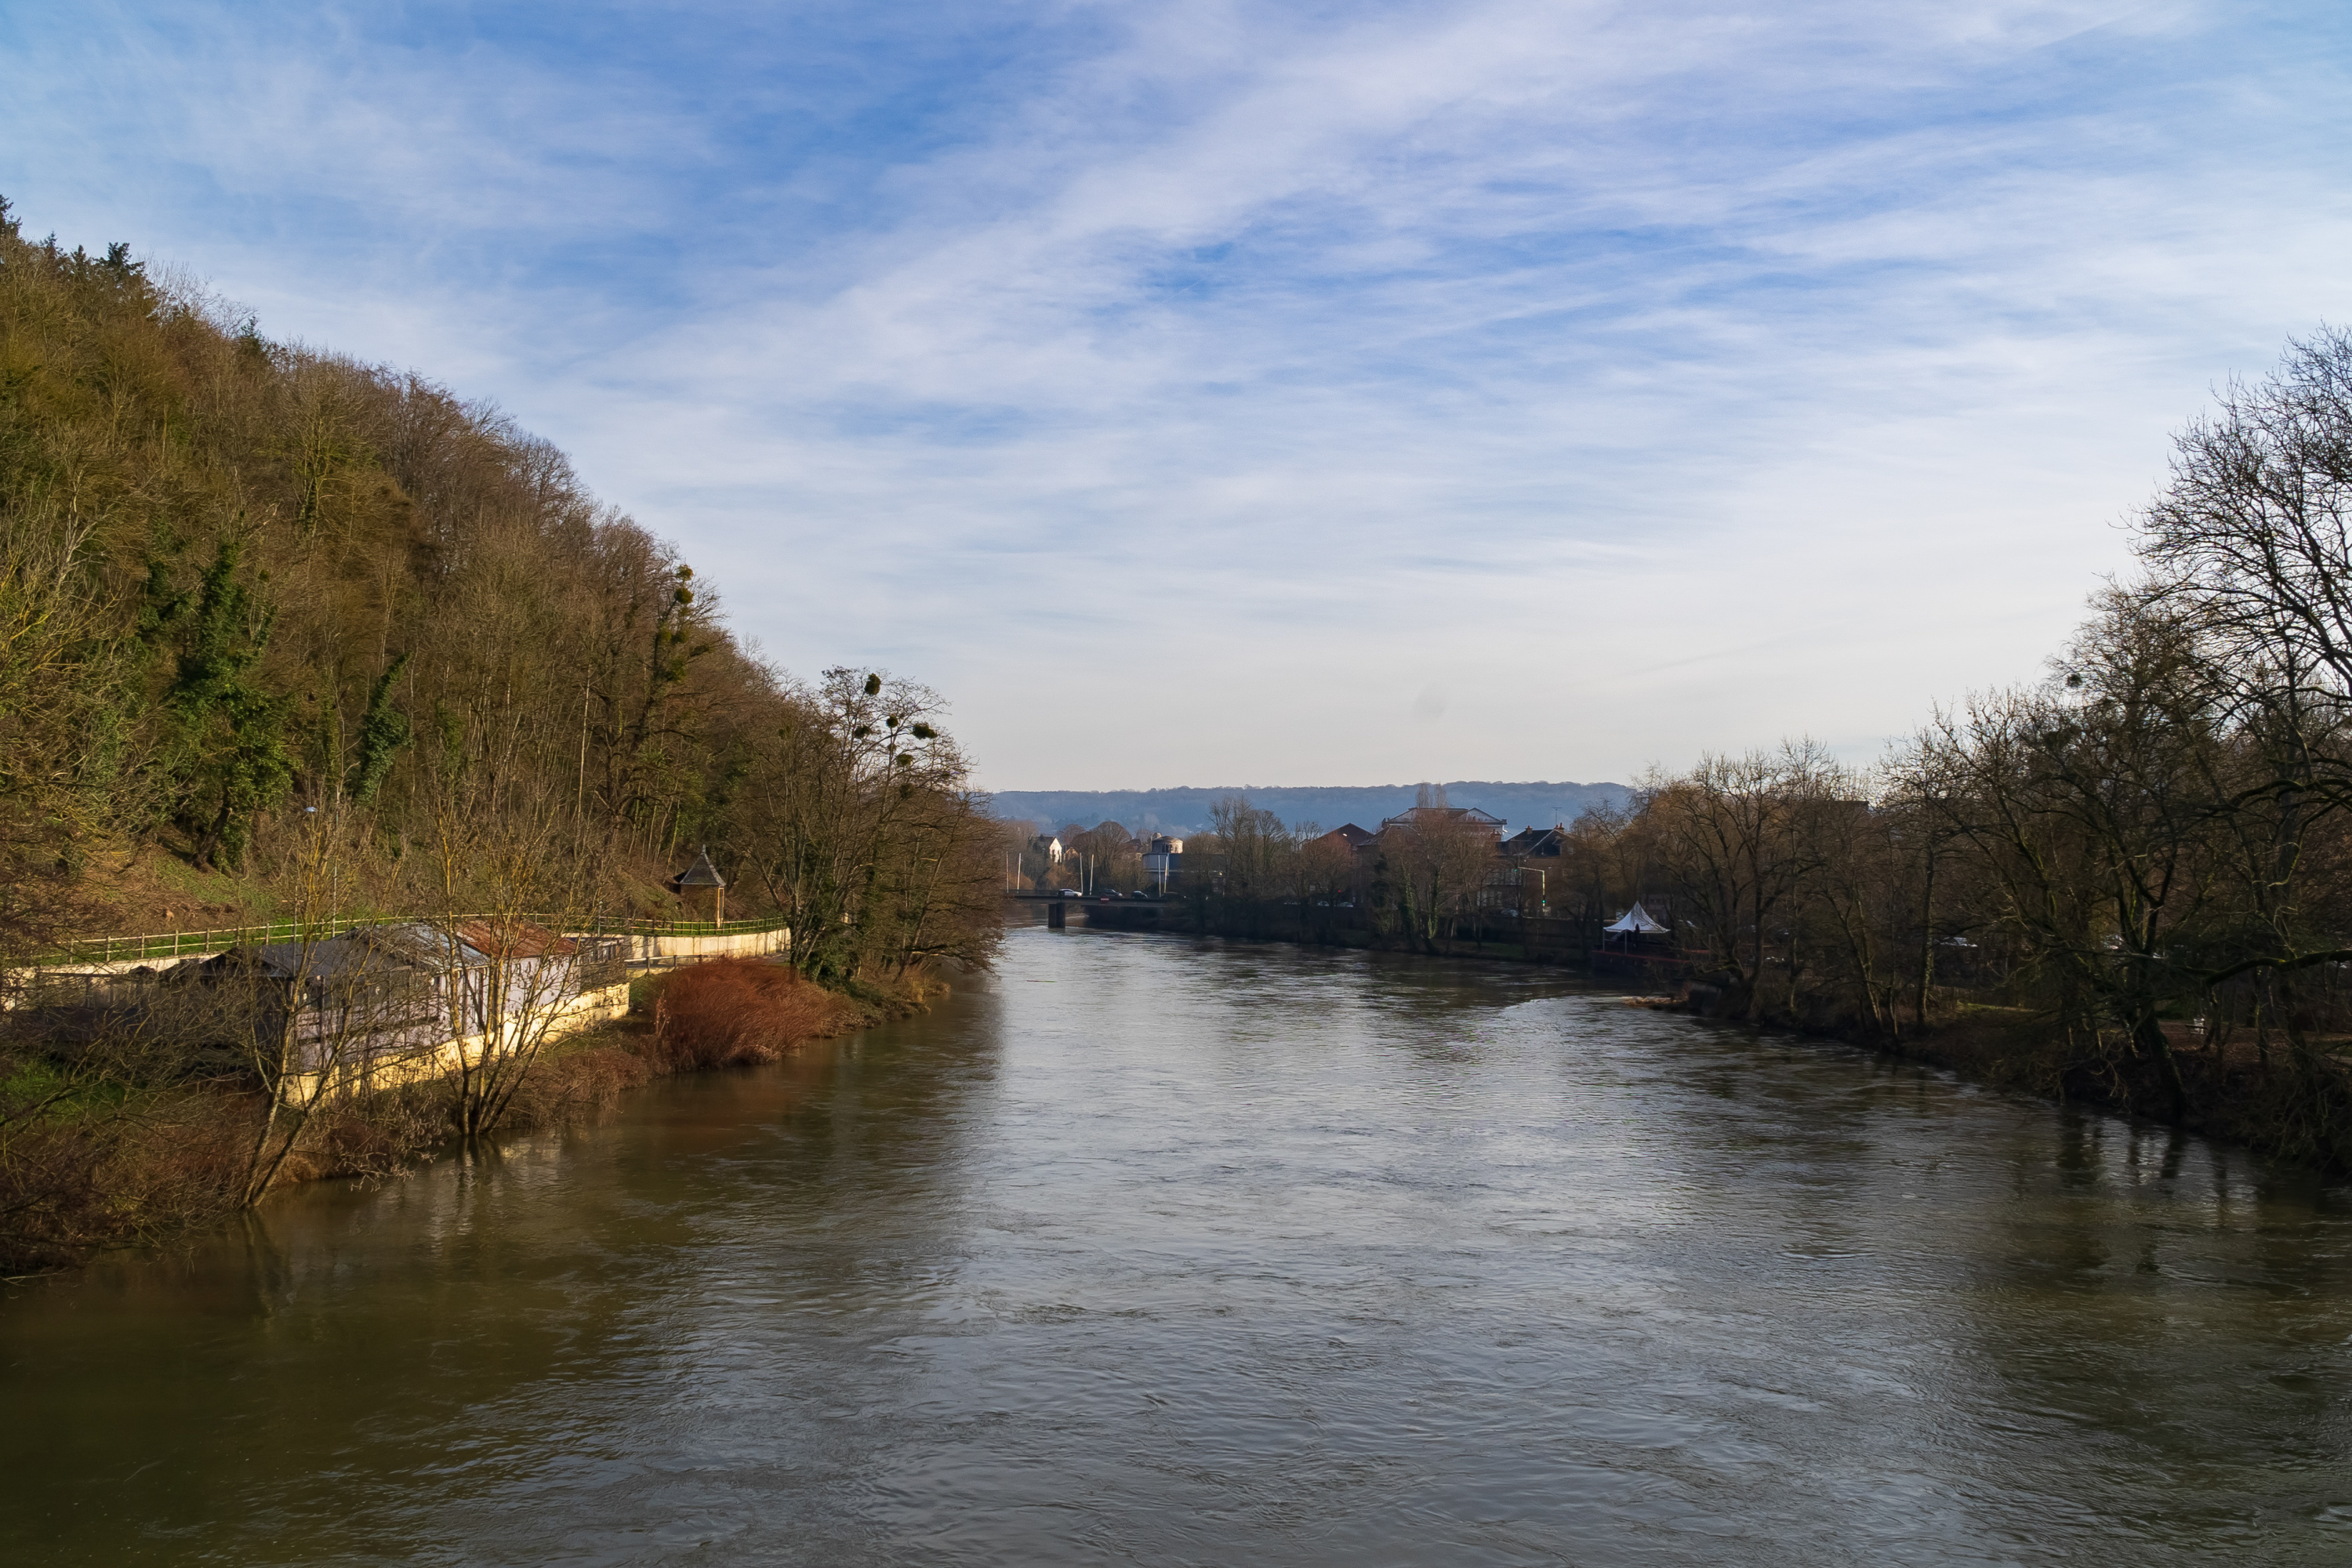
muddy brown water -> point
(1156, 1252)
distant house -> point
(1163, 860)
(1536, 843)
(1432, 815)
(1349, 836)
(1041, 862)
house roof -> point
(1538, 841)
(372, 950)
(1412, 816)
(516, 938)
(1348, 833)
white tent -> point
(1635, 921)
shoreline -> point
(171, 1173)
(2302, 1120)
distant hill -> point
(1181, 811)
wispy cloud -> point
(1189, 389)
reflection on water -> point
(1151, 1252)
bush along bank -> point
(2280, 1092)
(94, 1153)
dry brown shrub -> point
(76, 1183)
(378, 1133)
(737, 1011)
(578, 1086)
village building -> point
(1536, 843)
(1163, 860)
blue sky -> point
(1201, 394)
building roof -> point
(1534, 841)
(516, 938)
(701, 874)
(1349, 834)
(370, 950)
(1413, 817)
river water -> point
(1147, 1251)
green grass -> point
(29, 1082)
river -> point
(1147, 1251)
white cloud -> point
(1198, 392)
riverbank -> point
(2285, 1097)
(2291, 1103)
(106, 1161)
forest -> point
(2129, 883)
(290, 637)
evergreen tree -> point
(232, 759)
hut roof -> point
(701, 874)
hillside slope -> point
(331, 636)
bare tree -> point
(2251, 544)
(2092, 804)
(308, 1013)
(1437, 857)
(854, 815)
(1731, 835)
(68, 756)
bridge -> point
(1133, 912)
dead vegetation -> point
(737, 1011)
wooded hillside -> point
(291, 616)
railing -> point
(189, 943)
(687, 928)
(192, 944)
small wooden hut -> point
(700, 877)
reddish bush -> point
(739, 1010)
